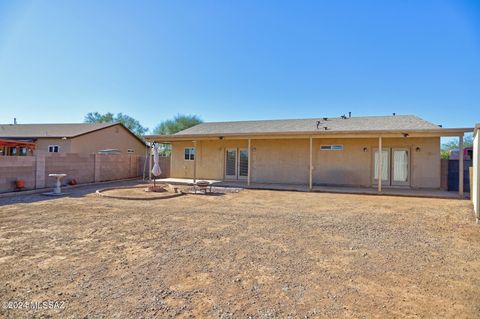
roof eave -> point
(180, 137)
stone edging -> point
(100, 191)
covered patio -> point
(16, 147)
(406, 192)
(386, 155)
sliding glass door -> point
(231, 163)
(243, 164)
(236, 163)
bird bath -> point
(57, 190)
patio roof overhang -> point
(16, 143)
(441, 132)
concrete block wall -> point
(40, 169)
(84, 168)
(77, 166)
(117, 167)
(16, 167)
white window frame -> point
(191, 153)
(331, 147)
(53, 148)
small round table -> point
(57, 190)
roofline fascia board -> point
(339, 134)
(21, 137)
(95, 130)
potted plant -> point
(19, 184)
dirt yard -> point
(258, 254)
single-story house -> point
(340, 151)
(82, 138)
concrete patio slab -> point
(408, 192)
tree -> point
(131, 123)
(178, 123)
(95, 117)
(453, 144)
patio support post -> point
(460, 165)
(380, 164)
(249, 160)
(310, 169)
(150, 163)
(145, 162)
(195, 162)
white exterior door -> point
(395, 166)
(385, 157)
(400, 166)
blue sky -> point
(239, 60)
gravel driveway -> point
(259, 254)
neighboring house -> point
(82, 138)
(455, 154)
(319, 151)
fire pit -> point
(204, 186)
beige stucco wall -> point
(354, 167)
(426, 163)
(279, 161)
(210, 158)
(43, 143)
(287, 160)
(114, 137)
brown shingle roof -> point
(49, 130)
(352, 124)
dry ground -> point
(262, 254)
